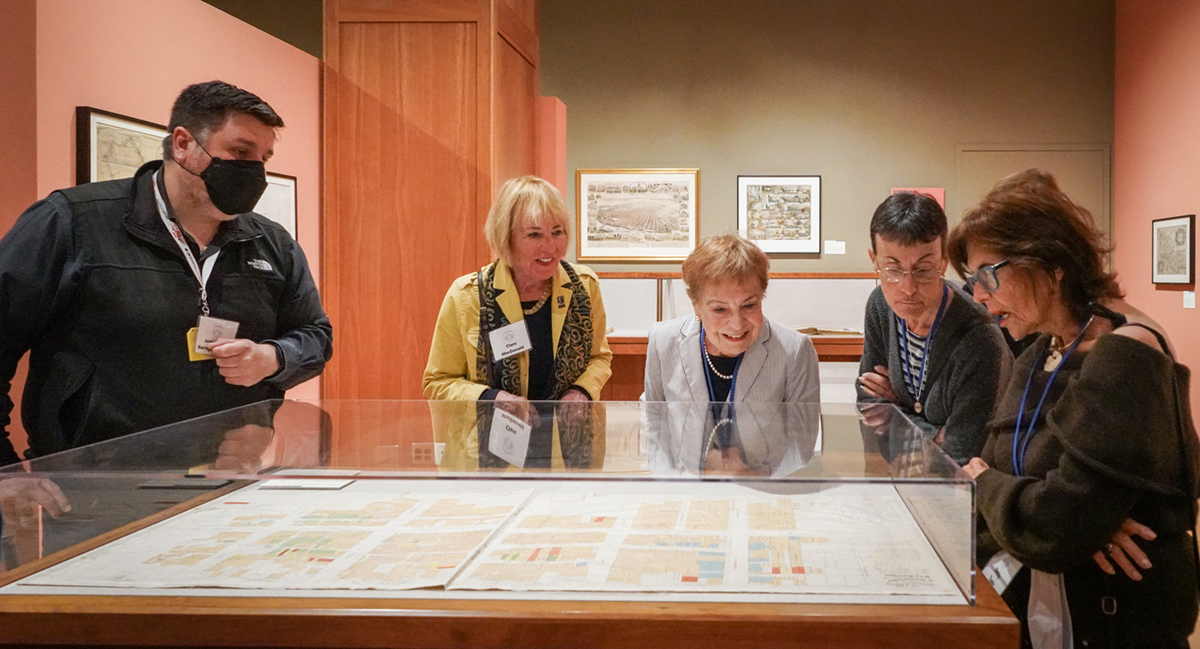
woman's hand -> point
(1122, 548)
(573, 394)
(876, 415)
(519, 407)
(975, 467)
(878, 384)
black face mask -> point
(234, 186)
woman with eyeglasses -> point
(1092, 457)
(927, 349)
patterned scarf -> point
(570, 361)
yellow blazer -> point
(450, 372)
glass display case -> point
(413, 523)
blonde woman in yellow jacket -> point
(528, 289)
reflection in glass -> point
(785, 449)
(750, 439)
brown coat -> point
(1111, 442)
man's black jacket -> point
(92, 283)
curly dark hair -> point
(203, 108)
(1028, 220)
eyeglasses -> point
(986, 277)
(919, 275)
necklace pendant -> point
(917, 407)
(1052, 361)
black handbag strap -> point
(1182, 419)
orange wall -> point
(133, 57)
(18, 88)
(1156, 152)
(552, 142)
(18, 164)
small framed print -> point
(278, 202)
(109, 146)
(781, 214)
(636, 214)
(1174, 250)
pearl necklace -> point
(704, 351)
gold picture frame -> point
(636, 214)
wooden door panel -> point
(406, 173)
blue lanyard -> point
(1021, 442)
(928, 346)
(712, 395)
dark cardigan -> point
(1107, 445)
(967, 366)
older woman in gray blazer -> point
(728, 353)
(729, 346)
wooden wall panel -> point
(405, 165)
(427, 106)
(516, 110)
(399, 11)
(516, 21)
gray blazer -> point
(775, 402)
(781, 365)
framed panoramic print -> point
(1174, 250)
(109, 146)
(278, 202)
(636, 214)
(782, 214)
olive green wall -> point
(297, 22)
(868, 94)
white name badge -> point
(210, 330)
(509, 438)
(1000, 570)
(509, 340)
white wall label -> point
(835, 247)
(1189, 299)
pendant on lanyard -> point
(928, 346)
(1021, 442)
(208, 330)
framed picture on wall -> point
(636, 214)
(1174, 250)
(782, 214)
(278, 202)
(109, 146)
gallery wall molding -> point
(1083, 170)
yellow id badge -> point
(193, 355)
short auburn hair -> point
(1028, 220)
(727, 257)
(527, 196)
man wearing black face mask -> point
(159, 298)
